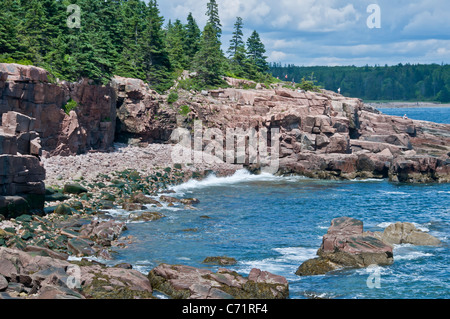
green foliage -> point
(69, 106)
(125, 38)
(184, 110)
(172, 98)
(376, 83)
(208, 62)
(256, 51)
(307, 86)
(213, 17)
(9, 59)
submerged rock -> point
(221, 260)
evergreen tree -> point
(33, 31)
(158, 68)
(133, 14)
(9, 20)
(208, 62)
(174, 40)
(256, 50)
(213, 17)
(192, 38)
(239, 64)
(236, 41)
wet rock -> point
(102, 232)
(125, 283)
(407, 233)
(80, 247)
(13, 206)
(74, 189)
(221, 260)
(131, 207)
(185, 282)
(146, 216)
(141, 198)
(63, 209)
(345, 245)
(3, 283)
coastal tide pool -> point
(276, 223)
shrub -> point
(173, 97)
(184, 110)
(69, 106)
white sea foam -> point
(367, 180)
(240, 176)
(412, 255)
(287, 263)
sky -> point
(334, 32)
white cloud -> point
(333, 32)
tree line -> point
(127, 38)
(402, 82)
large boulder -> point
(186, 282)
(346, 245)
(407, 233)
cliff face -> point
(91, 125)
(323, 135)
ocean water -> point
(276, 223)
(432, 114)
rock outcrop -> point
(322, 135)
(33, 275)
(406, 233)
(345, 245)
(22, 175)
(90, 126)
(186, 282)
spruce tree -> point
(255, 52)
(192, 38)
(9, 21)
(133, 15)
(236, 41)
(174, 40)
(213, 17)
(208, 62)
(157, 66)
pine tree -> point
(192, 38)
(256, 50)
(213, 17)
(208, 62)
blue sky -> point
(333, 32)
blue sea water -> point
(276, 223)
(432, 114)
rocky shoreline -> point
(62, 172)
